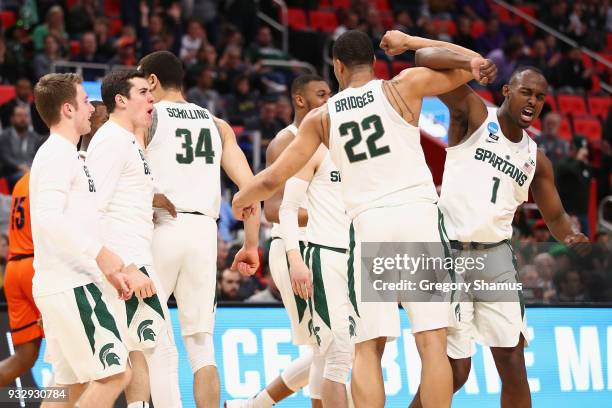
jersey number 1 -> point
(203, 146)
(355, 130)
(495, 187)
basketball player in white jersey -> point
(491, 163)
(187, 146)
(84, 346)
(125, 194)
(371, 129)
(320, 273)
(307, 92)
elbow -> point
(420, 57)
(271, 183)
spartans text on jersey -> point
(501, 164)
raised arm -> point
(547, 198)
(237, 168)
(272, 204)
(395, 42)
(297, 154)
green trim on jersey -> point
(85, 311)
(351, 269)
(320, 300)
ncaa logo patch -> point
(492, 127)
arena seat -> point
(323, 20)
(599, 106)
(399, 66)
(381, 69)
(565, 130)
(7, 92)
(296, 18)
(571, 104)
(589, 127)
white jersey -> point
(377, 152)
(328, 223)
(185, 153)
(276, 230)
(64, 219)
(125, 192)
(485, 179)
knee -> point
(431, 342)
(461, 371)
(338, 359)
(200, 350)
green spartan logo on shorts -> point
(352, 331)
(107, 356)
(314, 331)
(145, 332)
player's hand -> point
(161, 201)
(246, 261)
(242, 212)
(482, 69)
(109, 262)
(579, 243)
(395, 42)
(120, 282)
(301, 276)
(140, 283)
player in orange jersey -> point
(24, 317)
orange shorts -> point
(24, 317)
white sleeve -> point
(105, 162)
(293, 197)
(52, 187)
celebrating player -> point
(187, 146)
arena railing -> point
(80, 66)
(282, 27)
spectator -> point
(492, 38)
(554, 14)
(229, 286)
(350, 22)
(506, 59)
(573, 177)
(549, 140)
(9, 69)
(222, 254)
(284, 111)
(403, 22)
(532, 291)
(475, 9)
(270, 294)
(18, 145)
(192, 41)
(23, 96)
(541, 234)
(126, 52)
(546, 269)
(81, 17)
(464, 33)
(231, 68)
(207, 9)
(375, 29)
(570, 287)
(54, 24)
(105, 46)
(570, 75)
(543, 58)
(266, 123)
(51, 54)
(577, 28)
(263, 47)
(206, 58)
(204, 94)
(241, 105)
(88, 54)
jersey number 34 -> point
(203, 147)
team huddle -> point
(118, 228)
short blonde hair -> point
(51, 92)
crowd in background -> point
(223, 45)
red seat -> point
(4, 187)
(589, 127)
(75, 48)
(238, 130)
(381, 69)
(485, 94)
(341, 4)
(8, 19)
(572, 104)
(116, 26)
(387, 19)
(323, 20)
(324, 3)
(503, 13)
(550, 99)
(565, 130)
(399, 66)
(586, 60)
(112, 8)
(445, 26)
(609, 41)
(383, 5)
(599, 105)
(478, 28)
(296, 19)
(7, 92)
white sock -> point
(138, 404)
(263, 400)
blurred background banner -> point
(569, 359)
